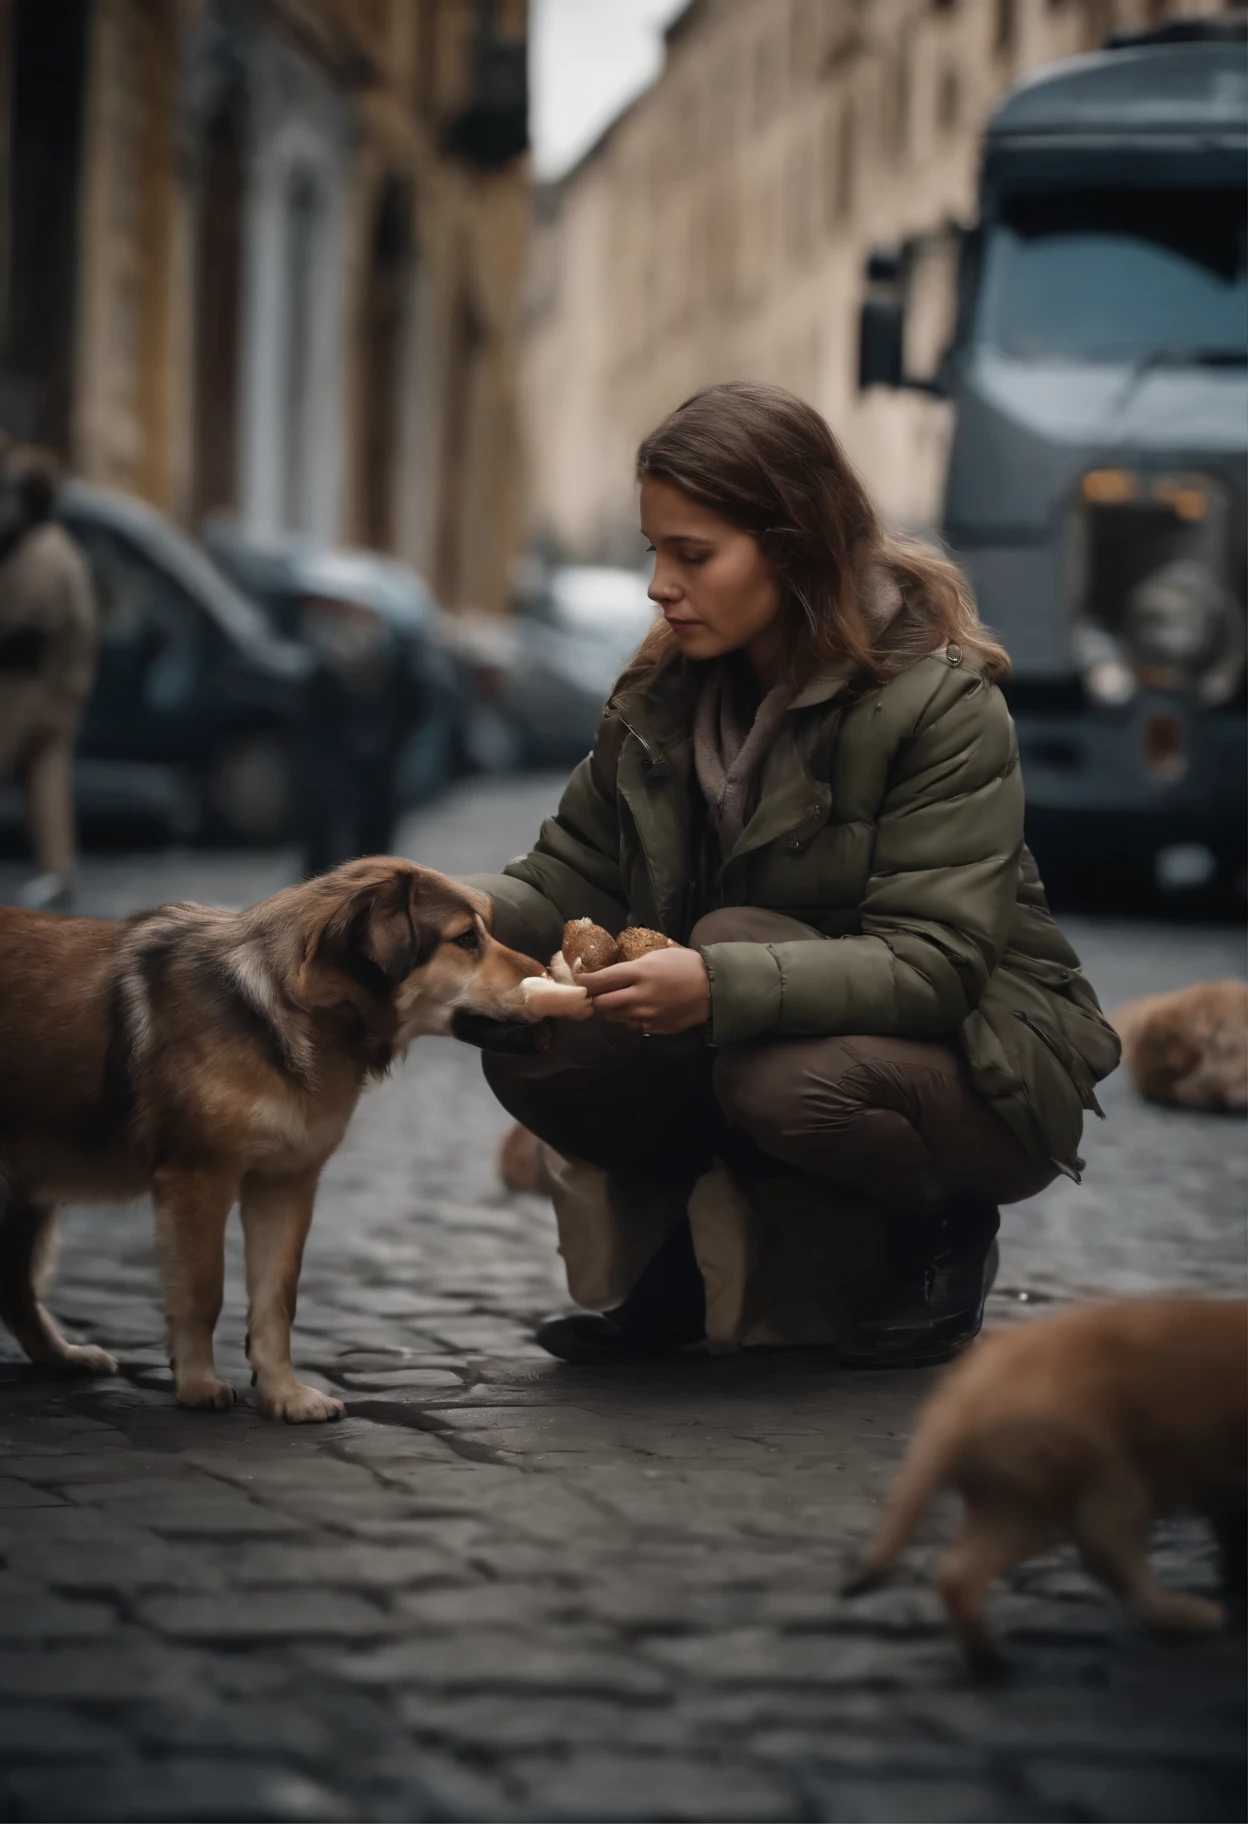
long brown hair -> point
(766, 462)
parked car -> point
(194, 719)
(540, 679)
(386, 704)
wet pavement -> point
(503, 1588)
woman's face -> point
(715, 588)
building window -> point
(948, 100)
(803, 41)
(722, 250)
(899, 105)
(688, 129)
(721, 110)
(218, 285)
(302, 226)
(1098, 23)
(766, 72)
(799, 201)
(839, 174)
(1006, 26)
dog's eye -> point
(467, 940)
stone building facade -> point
(265, 258)
(719, 230)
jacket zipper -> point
(654, 756)
(654, 761)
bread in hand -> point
(587, 947)
(636, 940)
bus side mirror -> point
(881, 325)
(906, 322)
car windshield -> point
(1117, 275)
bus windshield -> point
(1117, 275)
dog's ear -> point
(376, 933)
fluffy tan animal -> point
(216, 1057)
(1087, 1425)
(1190, 1047)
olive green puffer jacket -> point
(889, 818)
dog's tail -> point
(924, 1471)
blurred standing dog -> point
(47, 661)
(212, 1057)
(1190, 1047)
(1090, 1424)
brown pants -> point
(895, 1119)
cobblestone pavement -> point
(502, 1588)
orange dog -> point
(1089, 1424)
(1190, 1047)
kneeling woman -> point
(799, 1125)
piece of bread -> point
(636, 940)
(587, 947)
(544, 998)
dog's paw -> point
(207, 1394)
(300, 1405)
(85, 1358)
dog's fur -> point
(1190, 1047)
(1089, 1424)
(211, 1057)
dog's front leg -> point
(277, 1213)
(191, 1212)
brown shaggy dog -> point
(216, 1057)
(1089, 1424)
(1190, 1047)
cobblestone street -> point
(504, 1588)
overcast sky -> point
(587, 59)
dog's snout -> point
(524, 966)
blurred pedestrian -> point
(357, 714)
(48, 637)
(874, 1034)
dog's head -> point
(384, 934)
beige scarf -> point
(729, 747)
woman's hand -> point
(665, 991)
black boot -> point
(665, 1311)
(937, 1305)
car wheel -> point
(251, 788)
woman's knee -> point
(766, 1088)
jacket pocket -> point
(1071, 1060)
(1094, 1047)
